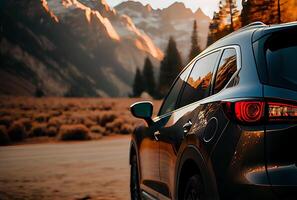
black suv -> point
(228, 127)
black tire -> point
(194, 189)
(134, 180)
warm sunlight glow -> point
(89, 13)
(108, 26)
(45, 6)
(147, 44)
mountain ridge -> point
(70, 49)
(85, 47)
(160, 24)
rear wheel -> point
(194, 188)
(134, 180)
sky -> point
(208, 6)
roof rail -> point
(257, 23)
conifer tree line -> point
(170, 67)
(144, 80)
(228, 18)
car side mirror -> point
(143, 110)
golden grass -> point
(25, 117)
(74, 132)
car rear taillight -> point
(282, 112)
(250, 111)
(255, 112)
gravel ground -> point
(75, 170)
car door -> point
(169, 104)
(149, 145)
(148, 160)
(212, 136)
(178, 123)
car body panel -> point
(148, 162)
(281, 148)
(238, 161)
(265, 30)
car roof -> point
(253, 32)
(259, 33)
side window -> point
(171, 99)
(198, 84)
(226, 69)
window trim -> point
(172, 85)
(211, 81)
(238, 65)
(221, 49)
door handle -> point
(156, 134)
(187, 126)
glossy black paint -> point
(143, 110)
(235, 161)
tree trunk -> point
(279, 12)
(231, 15)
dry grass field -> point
(35, 120)
(46, 167)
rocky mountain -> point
(69, 48)
(85, 47)
(160, 24)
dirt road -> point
(78, 170)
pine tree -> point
(279, 12)
(245, 12)
(138, 84)
(218, 27)
(171, 65)
(38, 92)
(232, 13)
(213, 28)
(148, 77)
(268, 11)
(195, 49)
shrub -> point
(74, 132)
(38, 130)
(52, 131)
(98, 129)
(119, 125)
(4, 139)
(95, 136)
(115, 126)
(56, 121)
(6, 121)
(88, 122)
(16, 132)
(26, 123)
(55, 113)
(106, 117)
(41, 117)
(126, 128)
(105, 107)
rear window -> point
(280, 58)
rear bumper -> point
(240, 168)
(281, 154)
(260, 163)
(285, 192)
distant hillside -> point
(160, 24)
(84, 47)
(69, 48)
